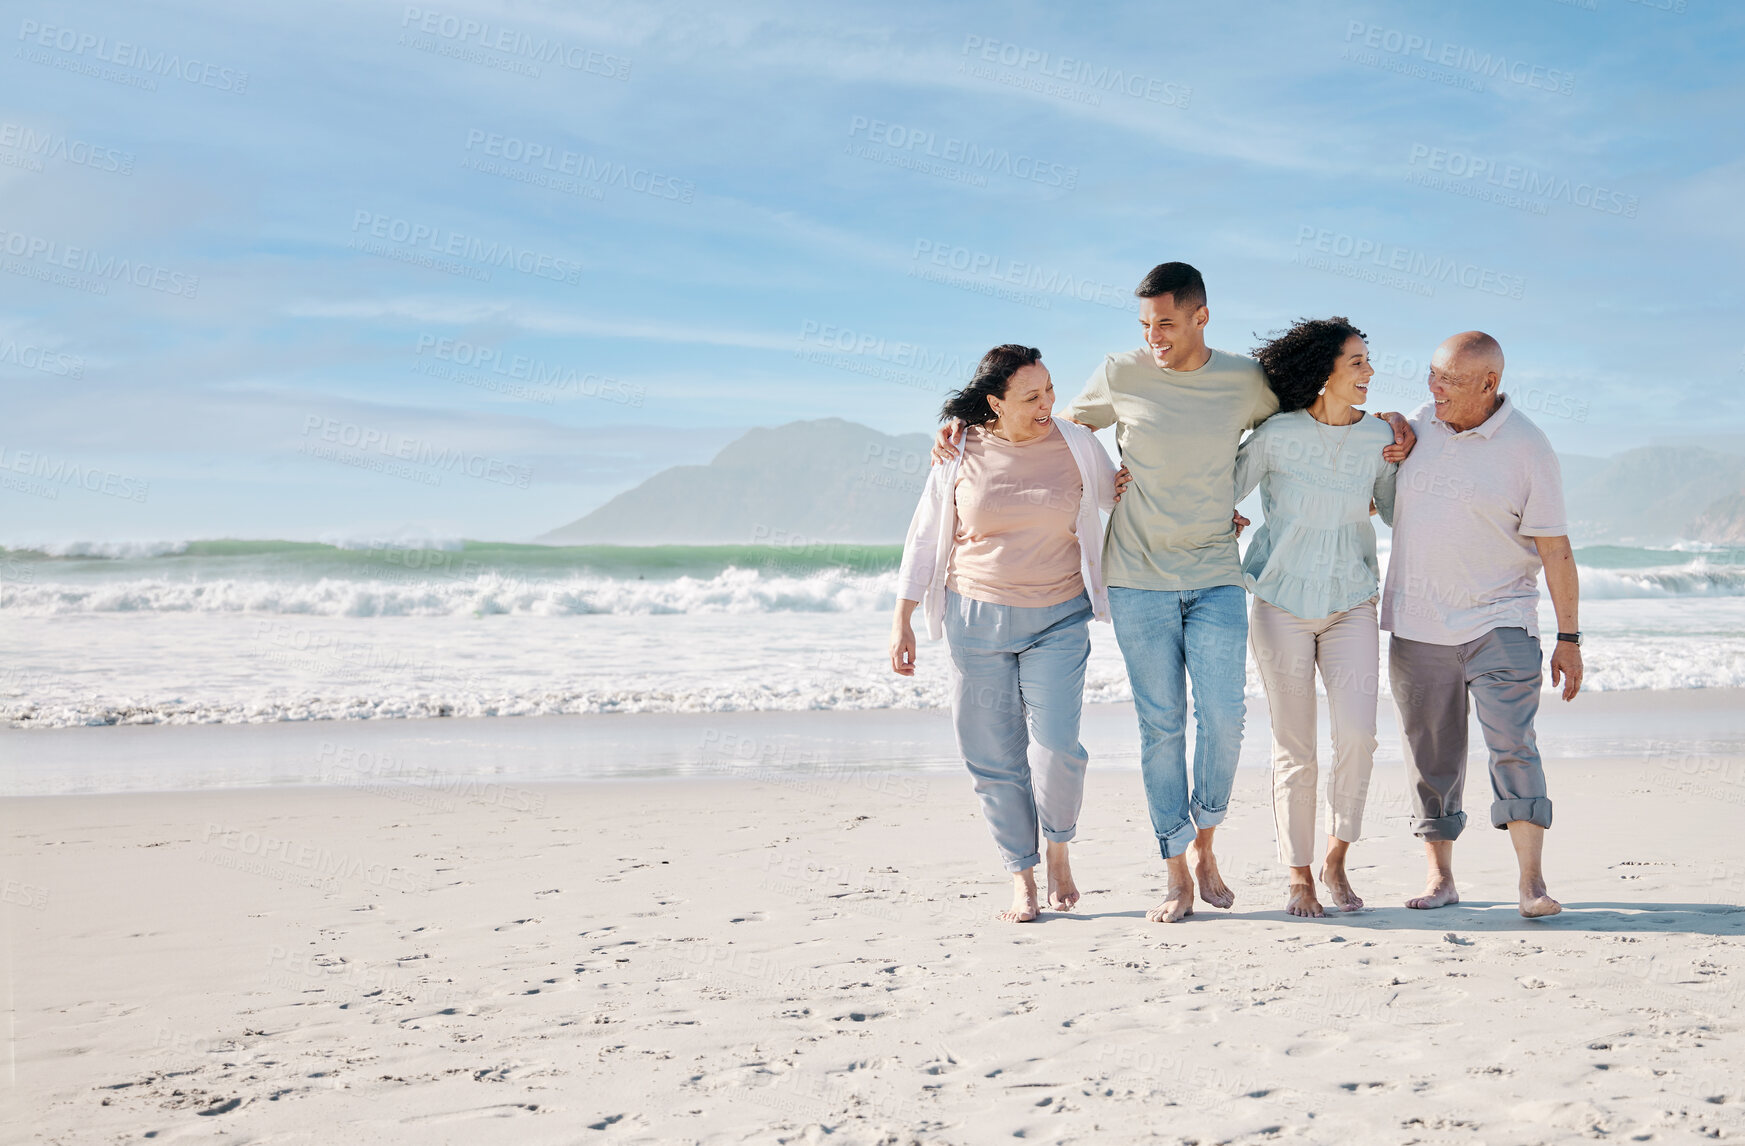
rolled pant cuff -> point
(1176, 843)
(1533, 809)
(1060, 837)
(1024, 863)
(1205, 817)
(1442, 829)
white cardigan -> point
(933, 530)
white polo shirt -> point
(1467, 507)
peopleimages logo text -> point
(83, 260)
(49, 468)
(994, 160)
(1101, 77)
(1491, 65)
(122, 54)
(562, 161)
(399, 447)
(33, 357)
(47, 145)
(1031, 277)
(511, 42)
(442, 241)
(1511, 177)
(1404, 260)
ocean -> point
(257, 631)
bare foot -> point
(1529, 841)
(1212, 887)
(1300, 900)
(1178, 902)
(1023, 909)
(1535, 903)
(1063, 893)
(1339, 887)
(1439, 892)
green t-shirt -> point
(1177, 431)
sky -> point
(336, 271)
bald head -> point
(1473, 352)
(1466, 377)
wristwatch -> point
(1572, 638)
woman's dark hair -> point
(1299, 361)
(993, 374)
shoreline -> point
(723, 745)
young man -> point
(1170, 560)
(1477, 514)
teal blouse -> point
(1315, 553)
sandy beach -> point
(809, 955)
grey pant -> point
(1501, 671)
(1018, 685)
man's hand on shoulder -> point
(1404, 438)
(945, 442)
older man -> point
(1478, 512)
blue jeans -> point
(1018, 687)
(1167, 638)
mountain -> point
(836, 481)
(1578, 469)
(798, 484)
(1651, 495)
(1722, 523)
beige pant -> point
(1347, 647)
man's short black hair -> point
(1178, 279)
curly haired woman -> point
(1312, 569)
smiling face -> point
(1463, 384)
(1028, 404)
(1349, 382)
(1176, 335)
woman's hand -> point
(945, 442)
(1122, 479)
(1239, 522)
(902, 647)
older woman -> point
(1005, 552)
(1312, 568)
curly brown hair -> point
(1299, 361)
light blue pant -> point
(1018, 685)
(1167, 638)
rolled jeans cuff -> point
(1177, 841)
(1024, 863)
(1065, 836)
(1442, 829)
(1532, 809)
(1205, 817)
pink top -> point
(1017, 504)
